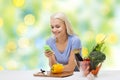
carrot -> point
(95, 72)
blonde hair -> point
(64, 18)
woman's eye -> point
(57, 26)
(52, 27)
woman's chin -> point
(56, 36)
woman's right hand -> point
(48, 53)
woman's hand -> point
(51, 57)
(48, 53)
(84, 67)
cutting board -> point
(49, 74)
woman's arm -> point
(71, 63)
(76, 48)
(51, 57)
(52, 60)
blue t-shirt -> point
(73, 43)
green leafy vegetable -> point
(96, 56)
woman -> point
(63, 43)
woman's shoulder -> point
(50, 39)
(74, 37)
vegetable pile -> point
(96, 56)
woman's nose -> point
(54, 30)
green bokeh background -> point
(25, 27)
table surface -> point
(28, 75)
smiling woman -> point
(63, 43)
(57, 27)
(24, 30)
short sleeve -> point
(76, 43)
(49, 42)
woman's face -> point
(58, 28)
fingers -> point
(86, 72)
(48, 53)
(90, 77)
(88, 67)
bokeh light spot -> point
(23, 43)
(22, 28)
(1, 22)
(112, 38)
(1, 68)
(11, 46)
(29, 19)
(100, 37)
(18, 3)
(11, 65)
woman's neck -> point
(62, 39)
